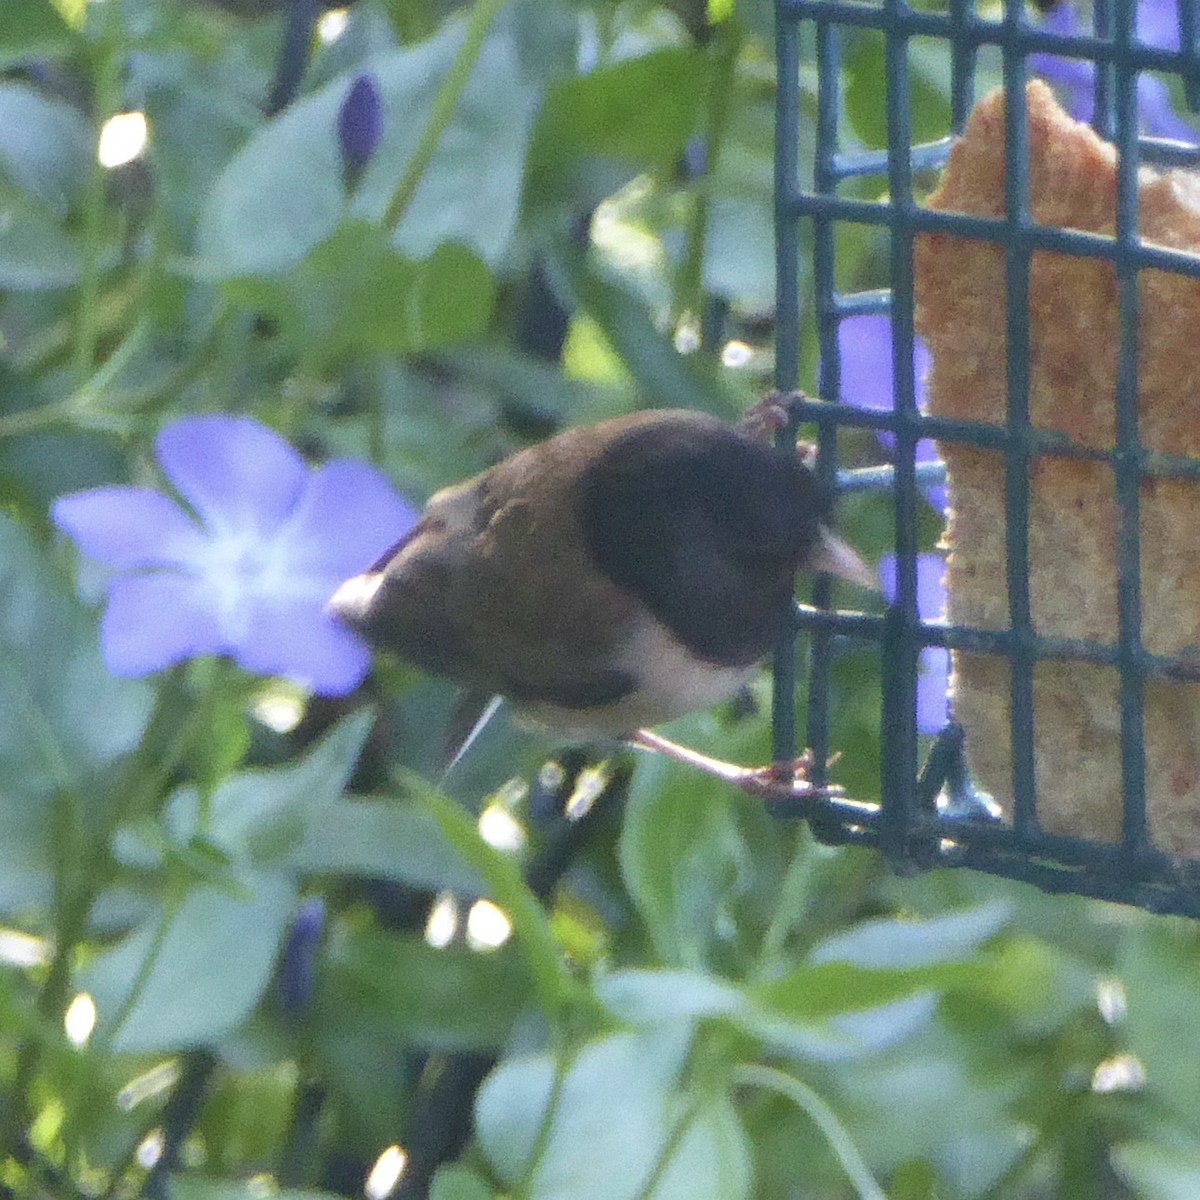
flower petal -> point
(1157, 113)
(235, 472)
(153, 621)
(127, 527)
(1158, 23)
(302, 642)
(933, 662)
(933, 686)
(866, 352)
(348, 515)
(931, 585)
(865, 345)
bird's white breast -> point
(672, 681)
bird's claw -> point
(768, 416)
(787, 780)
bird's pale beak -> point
(836, 557)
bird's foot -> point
(779, 781)
(768, 416)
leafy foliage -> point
(304, 937)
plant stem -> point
(107, 94)
(793, 901)
(103, 1045)
(72, 902)
(444, 103)
(670, 1145)
(825, 1119)
(553, 983)
(722, 69)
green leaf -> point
(648, 997)
(639, 112)
(509, 1110)
(878, 963)
(712, 1159)
(680, 853)
(32, 29)
(739, 251)
(282, 195)
(610, 1119)
(191, 1187)
(1159, 1173)
(1158, 966)
(448, 998)
(894, 943)
(62, 716)
(38, 467)
(813, 993)
(46, 146)
(554, 985)
(355, 293)
(263, 816)
(393, 839)
(665, 378)
(36, 254)
(26, 859)
(457, 1183)
(186, 981)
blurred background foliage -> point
(244, 946)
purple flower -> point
(865, 344)
(933, 663)
(1157, 25)
(246, 569)
(359, 126)
(298, 958)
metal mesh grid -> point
(913, 830)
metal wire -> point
(936, 817)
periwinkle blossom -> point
(298, 958)
(247, 567)
(865, 346)
(359, 126)
(933, 662)
(1157, 25)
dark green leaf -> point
(610, 1119)
(813, 993)
(263, 816)
(457, 1183)
(32, 29)
(1159, 1172)
(646, 997)
(205, 969)
(283, 193)
(681, 853)
(191, 1187)
(898, 943)
(639, 112)
(62, 716)
(448, 998)
(393, 839)
(665, 378)
(46, 146)
(36, 253)
(355, 293)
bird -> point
(611, 578)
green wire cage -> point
(931, 814)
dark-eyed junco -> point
(613, 577)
